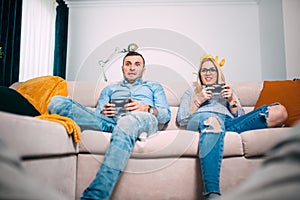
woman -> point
(213, 113)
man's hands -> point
(135, 105)
(109, 109)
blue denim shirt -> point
(147, 92)
(216, 104)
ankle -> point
(212, 196)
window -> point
(37, 38)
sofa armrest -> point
(31, 137)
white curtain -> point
(37, 38)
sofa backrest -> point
(248, 92)
(87, 93)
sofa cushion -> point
(287, 92)
(232, 145)
(31, 137)
(169, 143)
(172, 124)
(257, 142)
(248, 92)
(86, 93)
(174, 92)
(165, 143)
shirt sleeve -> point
(183, 113)
(103, 99)
(161, 104)
(240, 110)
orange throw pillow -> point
(286, 92)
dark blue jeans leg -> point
(210, 147)
(256, 119)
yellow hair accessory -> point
(216, 58)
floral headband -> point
(222, 62)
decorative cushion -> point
(286, 92)
(13, 102)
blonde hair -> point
(220, 78)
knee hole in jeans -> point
(214, 125)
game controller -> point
(217, 87)
(120, 103)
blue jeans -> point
(211, 141)
(125, 131)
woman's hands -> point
(207, 92)
(226, 93)
(203, 96)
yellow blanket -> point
(39, 91)
(69, 124)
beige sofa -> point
(164, 166)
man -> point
(147, 108)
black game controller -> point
(217, 87)
(120, 103)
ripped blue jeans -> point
(212, 127)
(125, 132)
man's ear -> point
(144, 69)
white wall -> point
(272, 40)
(292, 40)
(230, 29)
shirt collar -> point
(139, 81)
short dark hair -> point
(134, 53)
